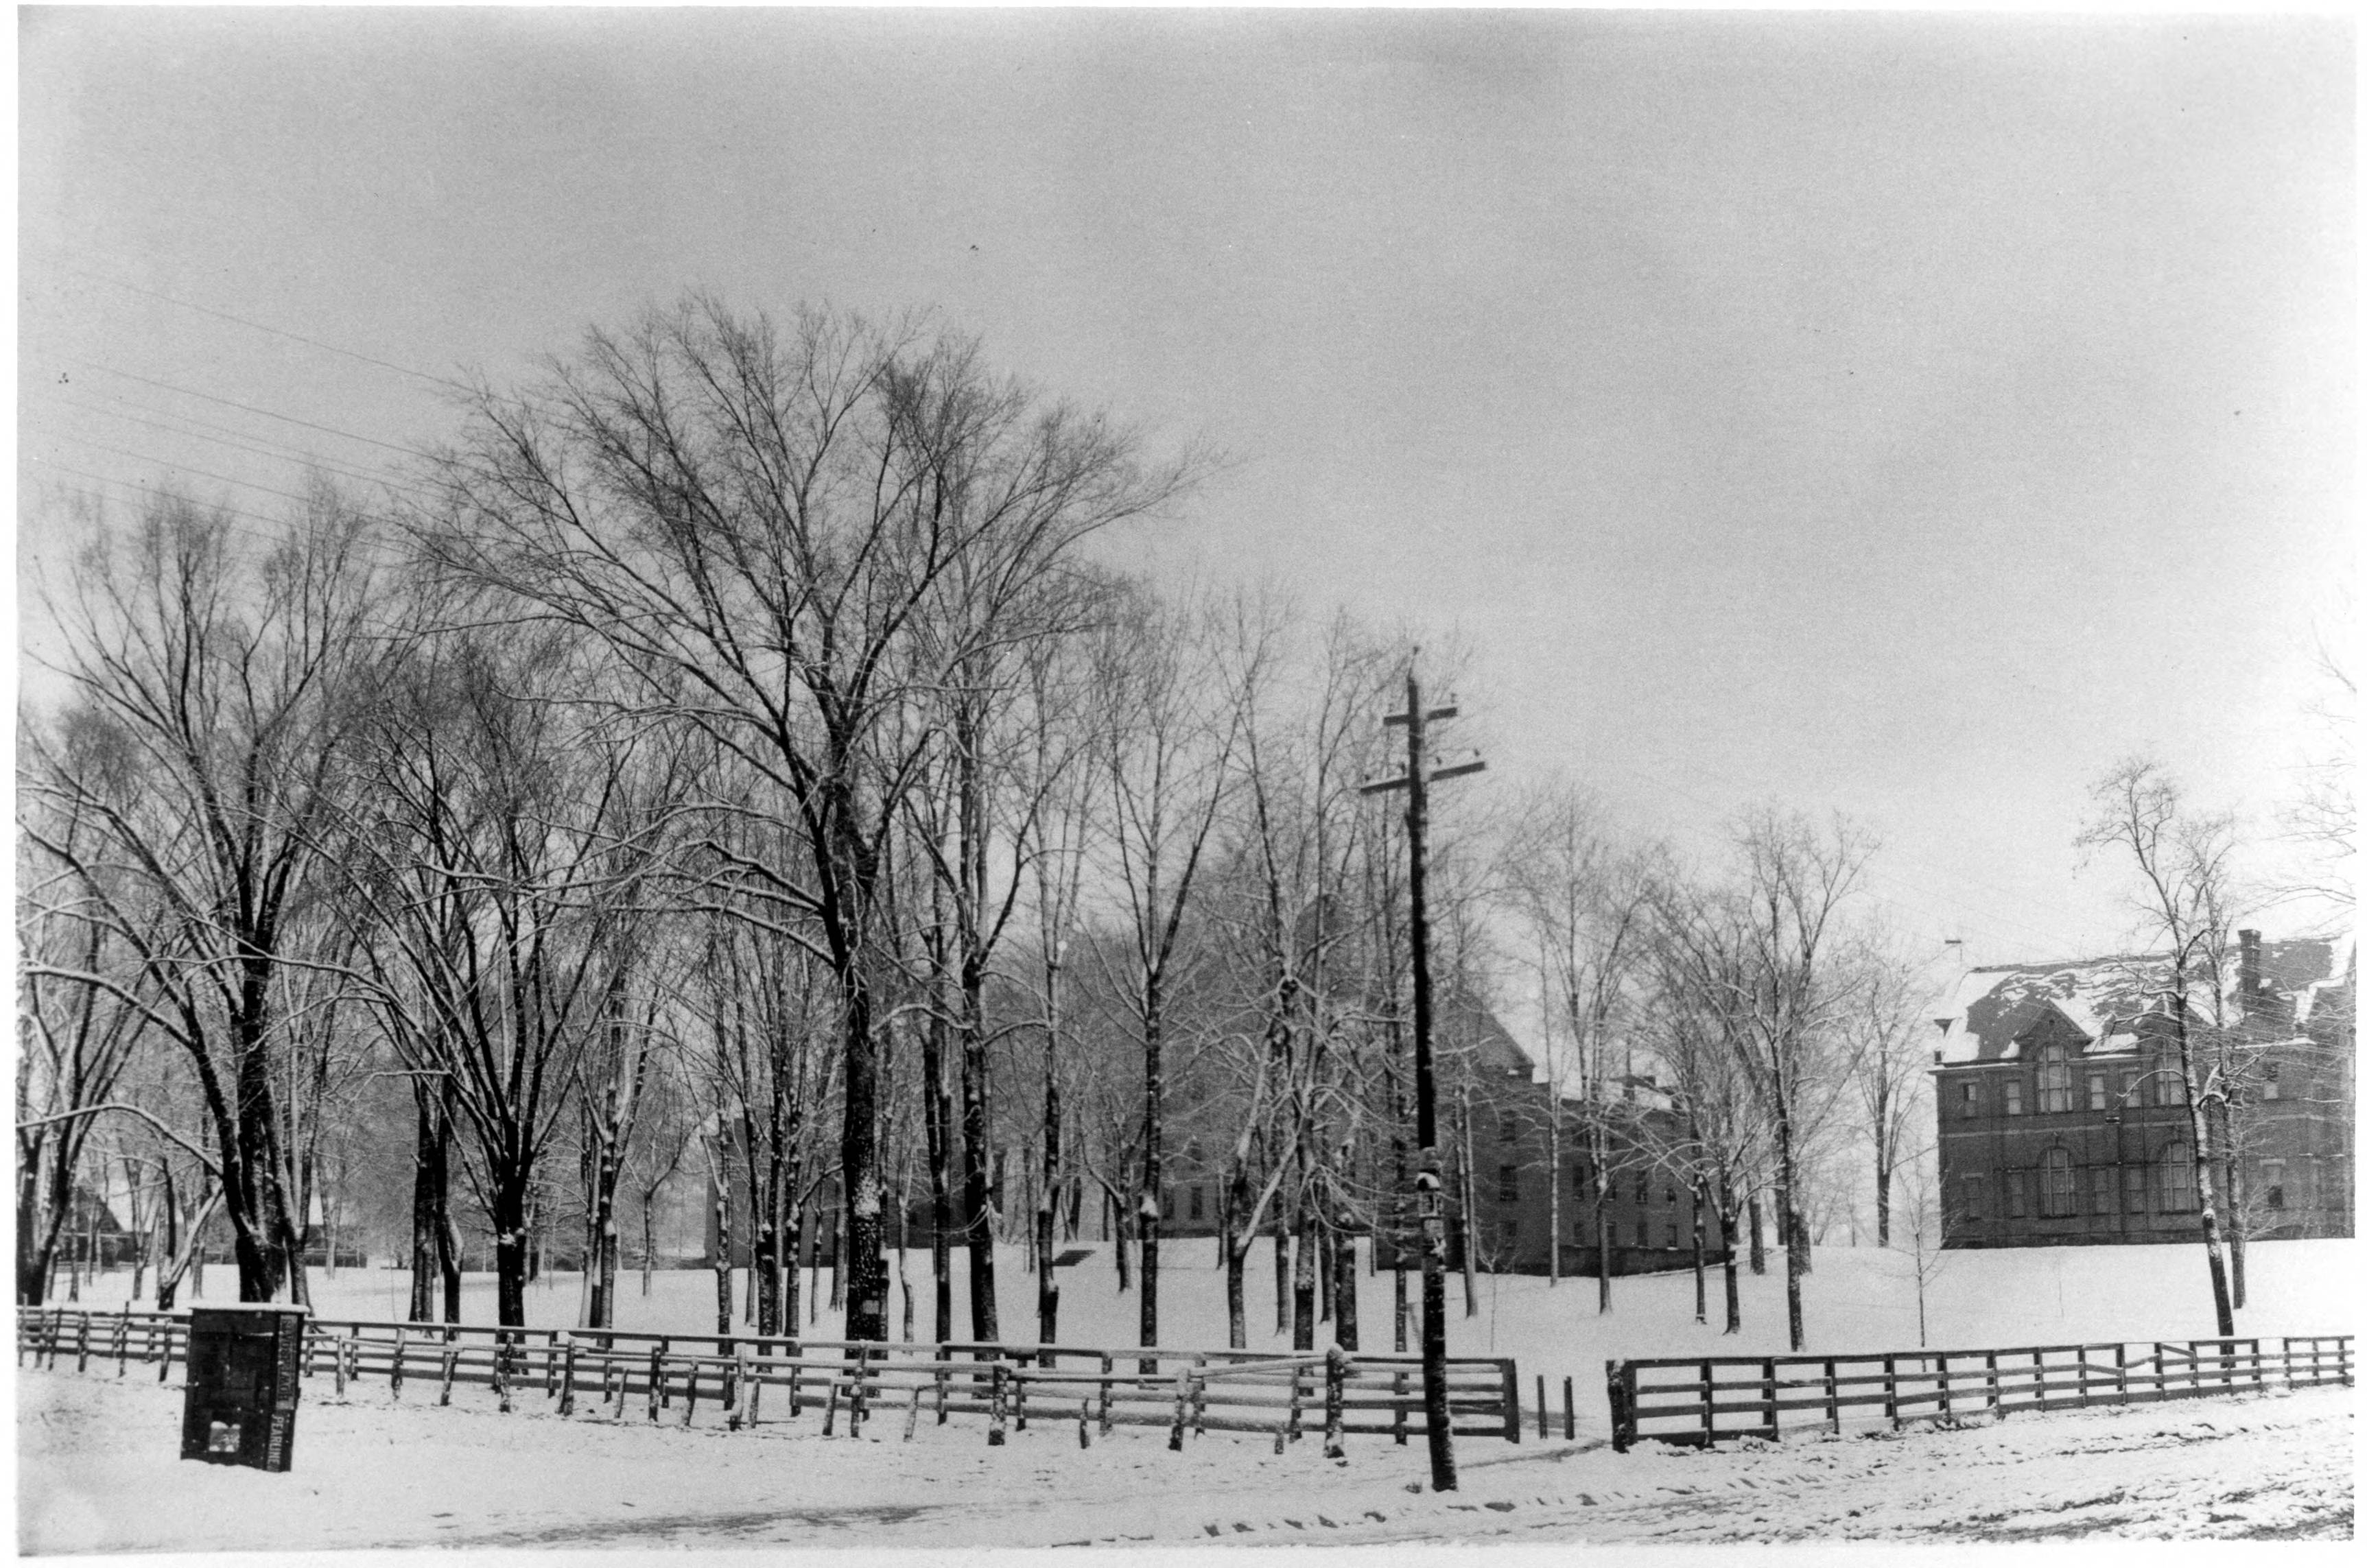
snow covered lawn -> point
(97, 1472)
(1858, 1299)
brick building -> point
(2062, 1113)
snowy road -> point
(97, 1472)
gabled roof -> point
(1993, 1010)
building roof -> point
(1991, 1009)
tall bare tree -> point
(756, 521)
(214, 684)
(2184, 895)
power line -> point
(265, 327)
(284, 452)
(250, 407)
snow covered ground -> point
(97, 1473)
(1856, 1299)
(98, 1470)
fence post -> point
(1106, 1366)
(1298, 1400)
(452, 1369)
(123, 1343)
(1398, 1404)
(1175, 1431)
(690, 1394)
(1890, 1389)
(1709, 1403)
(912, 1415)
(1832, 1396)
(994, 1434)
(830, 1413)
(567, 1379)
(1512, 1376)
(164, 1362)
(1084, 1419)
(1545, 1411)
(1767, 1376)
(2121, 1370)
(394, 1373)
(1997, 1405)
(1568, 1411)
(1335, 1395)
(657, 1382)
(81, 1342)
(1199, 1397)
(1623, 1409)
(1947, 1402)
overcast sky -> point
(1903, 415)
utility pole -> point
(1416, 783)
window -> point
(2017, 1194)
(2100, 1093)
(2169, 1087)
(1577, 1179)
(2178, 1191)
(1199, 1203)
(1973, 1199)
(1673, 1233)
(2054, 1078)
(1508, 1183)
(2100, 1189)
(2272, 1184)
(1669, 1193)
(2268, 1080)
(1507, 1128)
(1968, 1098)
(2055, 1192)
(2013, 1097)
(2132, 1189)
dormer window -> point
(2054, 1078)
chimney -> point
(2248, 965)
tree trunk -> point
(1343, 1287)
(509, 1247)
(1304, 1261)
(1154, 1167)
(1047, 1286)
(977, 1217)
(1701, 1262)
(1281, 1277)
(1726, 1217)
(1758, 1237)
(720, 1195)
(1470, 1203)
(937, 1116)
(430, 1191)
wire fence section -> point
(742, 1380)
(1699, 1401)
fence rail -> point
(1698, 1401)
(746, 1380)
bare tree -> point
(1170, 760)
(755, 524)
(1886, 1016)
(2184, 897)
(1585, 899)
(213, 689)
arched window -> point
(2056, 1196)
(2054, 1078)
(2177, 1191)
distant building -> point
(2062, 1113)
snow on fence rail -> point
(748, 1379)
(1700, 1400)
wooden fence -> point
(1701, 1400)
(746, 1380)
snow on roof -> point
(1992, 1009)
